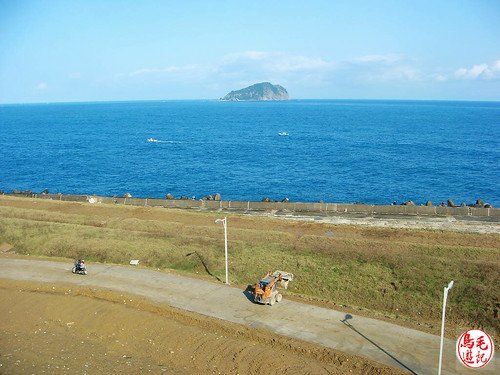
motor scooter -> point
(79, 267)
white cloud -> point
(257, 61)
(277, 62)
(251, 55)
(382, 68)
(172, 70)
(439, 77)
(385, 59)
(471, 73)
(42, 86)
(479, 71)
(252, 66)
(300, 64)
(248, 67)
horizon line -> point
(254, 101)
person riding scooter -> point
(79, 267)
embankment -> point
(325, 209)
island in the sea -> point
(259, 91)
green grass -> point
(391, 271)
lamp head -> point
(346, 318)
(218, 221)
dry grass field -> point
(396, 274)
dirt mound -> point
(61, 329)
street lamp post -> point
(446, 289)
(224, 222)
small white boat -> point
(283, 134)
(152, 140)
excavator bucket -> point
(284, 277)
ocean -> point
(342, 151)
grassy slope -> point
(391, 271)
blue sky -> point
(88, 50)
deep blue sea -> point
(336, 151)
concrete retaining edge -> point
(292, 207)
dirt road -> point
(411, 350)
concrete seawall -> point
(291, 207)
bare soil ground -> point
(68, 329)
(482, 225)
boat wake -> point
(154, 140)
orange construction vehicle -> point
(266, 290)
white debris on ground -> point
(445, 223)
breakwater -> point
(290, 207)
